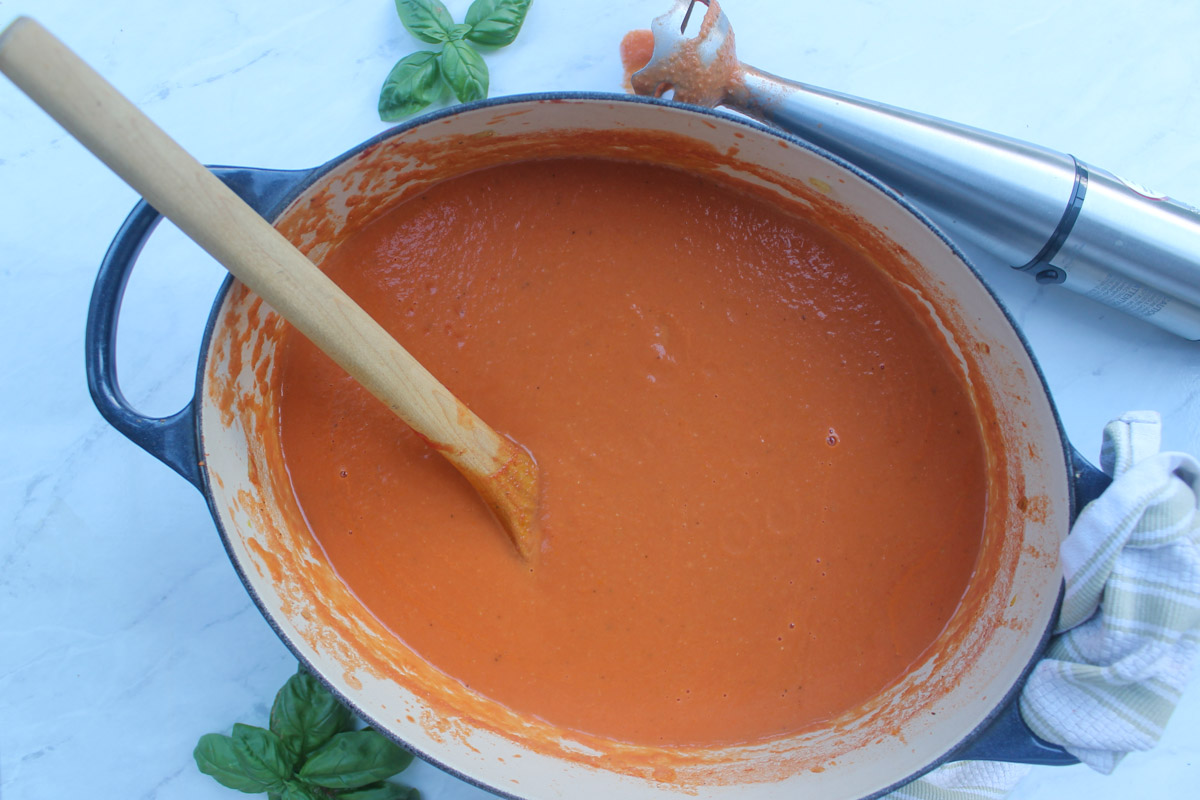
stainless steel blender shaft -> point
(1040, 211)
(1043, 212)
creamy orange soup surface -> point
(763, 479)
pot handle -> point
(1087, 482)
(1006, 737)
(172, 439)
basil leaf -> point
(354, 759)
(262, 756)
(428, 20)
(295, 790)
(496, 22)
(413, 83)
(382, 791)
(305, 715)
(459, 32)
(215, 755)
(464, 70)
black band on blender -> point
(1065, 224)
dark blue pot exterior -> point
(174, 439)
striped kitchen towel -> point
(1129, 629)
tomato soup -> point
(763, 478)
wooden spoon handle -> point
(209, 212)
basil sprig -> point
(311, 752)
(419, 79)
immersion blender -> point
(1043, 212)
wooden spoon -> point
(209, 212)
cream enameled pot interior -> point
(988, 645)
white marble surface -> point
(124, 632)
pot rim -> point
(304, 179)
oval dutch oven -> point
(958, 702)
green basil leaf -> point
(496, 22)
(382, 791)
(263, 756)
(354, 759)
(428, 20)
(464, 70)
(216, 756)
(459, 32)
(414, 83)
(295, 790)
(305, 715)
